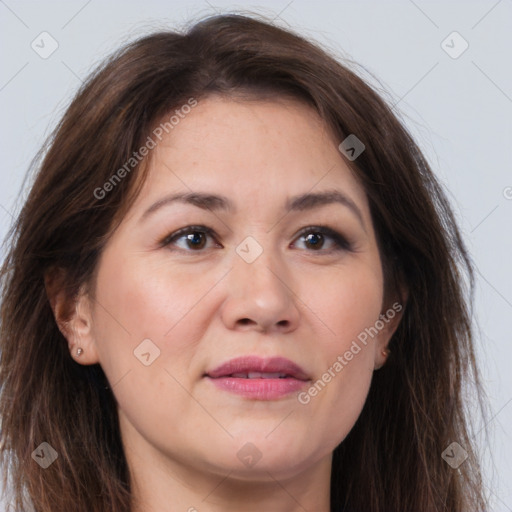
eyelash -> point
(341, 243)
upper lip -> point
(247, 364)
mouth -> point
(259, 378)
(260, 375)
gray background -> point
(458, 109)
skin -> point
(202, 307)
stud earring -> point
(79, 352)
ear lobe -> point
(72, 313)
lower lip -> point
(259, 389)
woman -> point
(236, 285)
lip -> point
(225, 377)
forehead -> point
(256, 149)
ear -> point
(388, 322)
(73, 315)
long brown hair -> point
(392, 458)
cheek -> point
(347, 306)
(148, 300)
(347, 301)
(136, 302)
(143, 299)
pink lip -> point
(259, 388)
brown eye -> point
(315, 237)
(195, 238)
(314, 240)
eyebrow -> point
(213, 202)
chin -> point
(260, 455)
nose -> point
(260, 296)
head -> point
(348, 264)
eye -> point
(315, 237)
(194, 237)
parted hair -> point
(418, 403)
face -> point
(231, 328)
